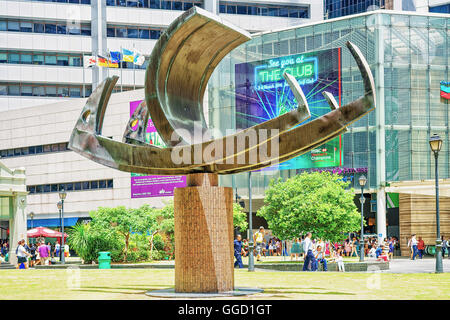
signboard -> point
(263, 94)
(143, 186)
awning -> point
(55, 222)
(422, 187)
(44, 232)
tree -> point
(124, 221)
(159, 221)
(311, 202)
(239, 217)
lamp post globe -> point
(62, 194)
(436, 145)
(362, 182)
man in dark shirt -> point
(238, 251)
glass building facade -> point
(409, 55)
(339, 8)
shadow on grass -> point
(140, 288)
(269, 291)
(291, 288)
(111, 291)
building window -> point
(26, 27)
(48, 58)
(259, 9)
(50, 28)
(48, 90)
(13, 26)
(110, 32)
(39, 27)
(132, 32)
(71, 186)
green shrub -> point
(158, 242)
(87, 242)
(158, 255)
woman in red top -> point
(421, 247)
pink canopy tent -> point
(44, 232)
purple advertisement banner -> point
(153, 186)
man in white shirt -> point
(309, 256)
(414, 246)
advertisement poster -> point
(263, 94)
(143, 186)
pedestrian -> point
(66, 250)
(355, 248)
(295, 249)
(339, 260)
(444, 247)
(421, 247)
(32, 255)
(49, 245)
(258, 239)
(22, 255)
(4, 250)
(245, 247)
(347, 247)
(320, 258)
(238, 251)
(43, 253)
(57, 249)
(391, 249)
(278, 247)
(413, 244)
(309, 256)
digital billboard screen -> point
(263, 94)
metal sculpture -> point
(180, 66)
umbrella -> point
(44, 232)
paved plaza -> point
(425, 265)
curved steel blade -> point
(180, 65)
(139, 118)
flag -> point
(139, 59)
(115, 56)
(128, 55)
(102, 62)
(89, 61)
(112, 64)
(445, 90)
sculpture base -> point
(203, 236)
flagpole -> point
(107, 63)
(84, 86)
(121, 76)
(134, 68)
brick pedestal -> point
(203, 236)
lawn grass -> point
(124, 284)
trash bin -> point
(104, 260)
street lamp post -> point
(62, 197)
(59, 205)
(435, 145)
(251, 261)
(362, 183)
(31, 217)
